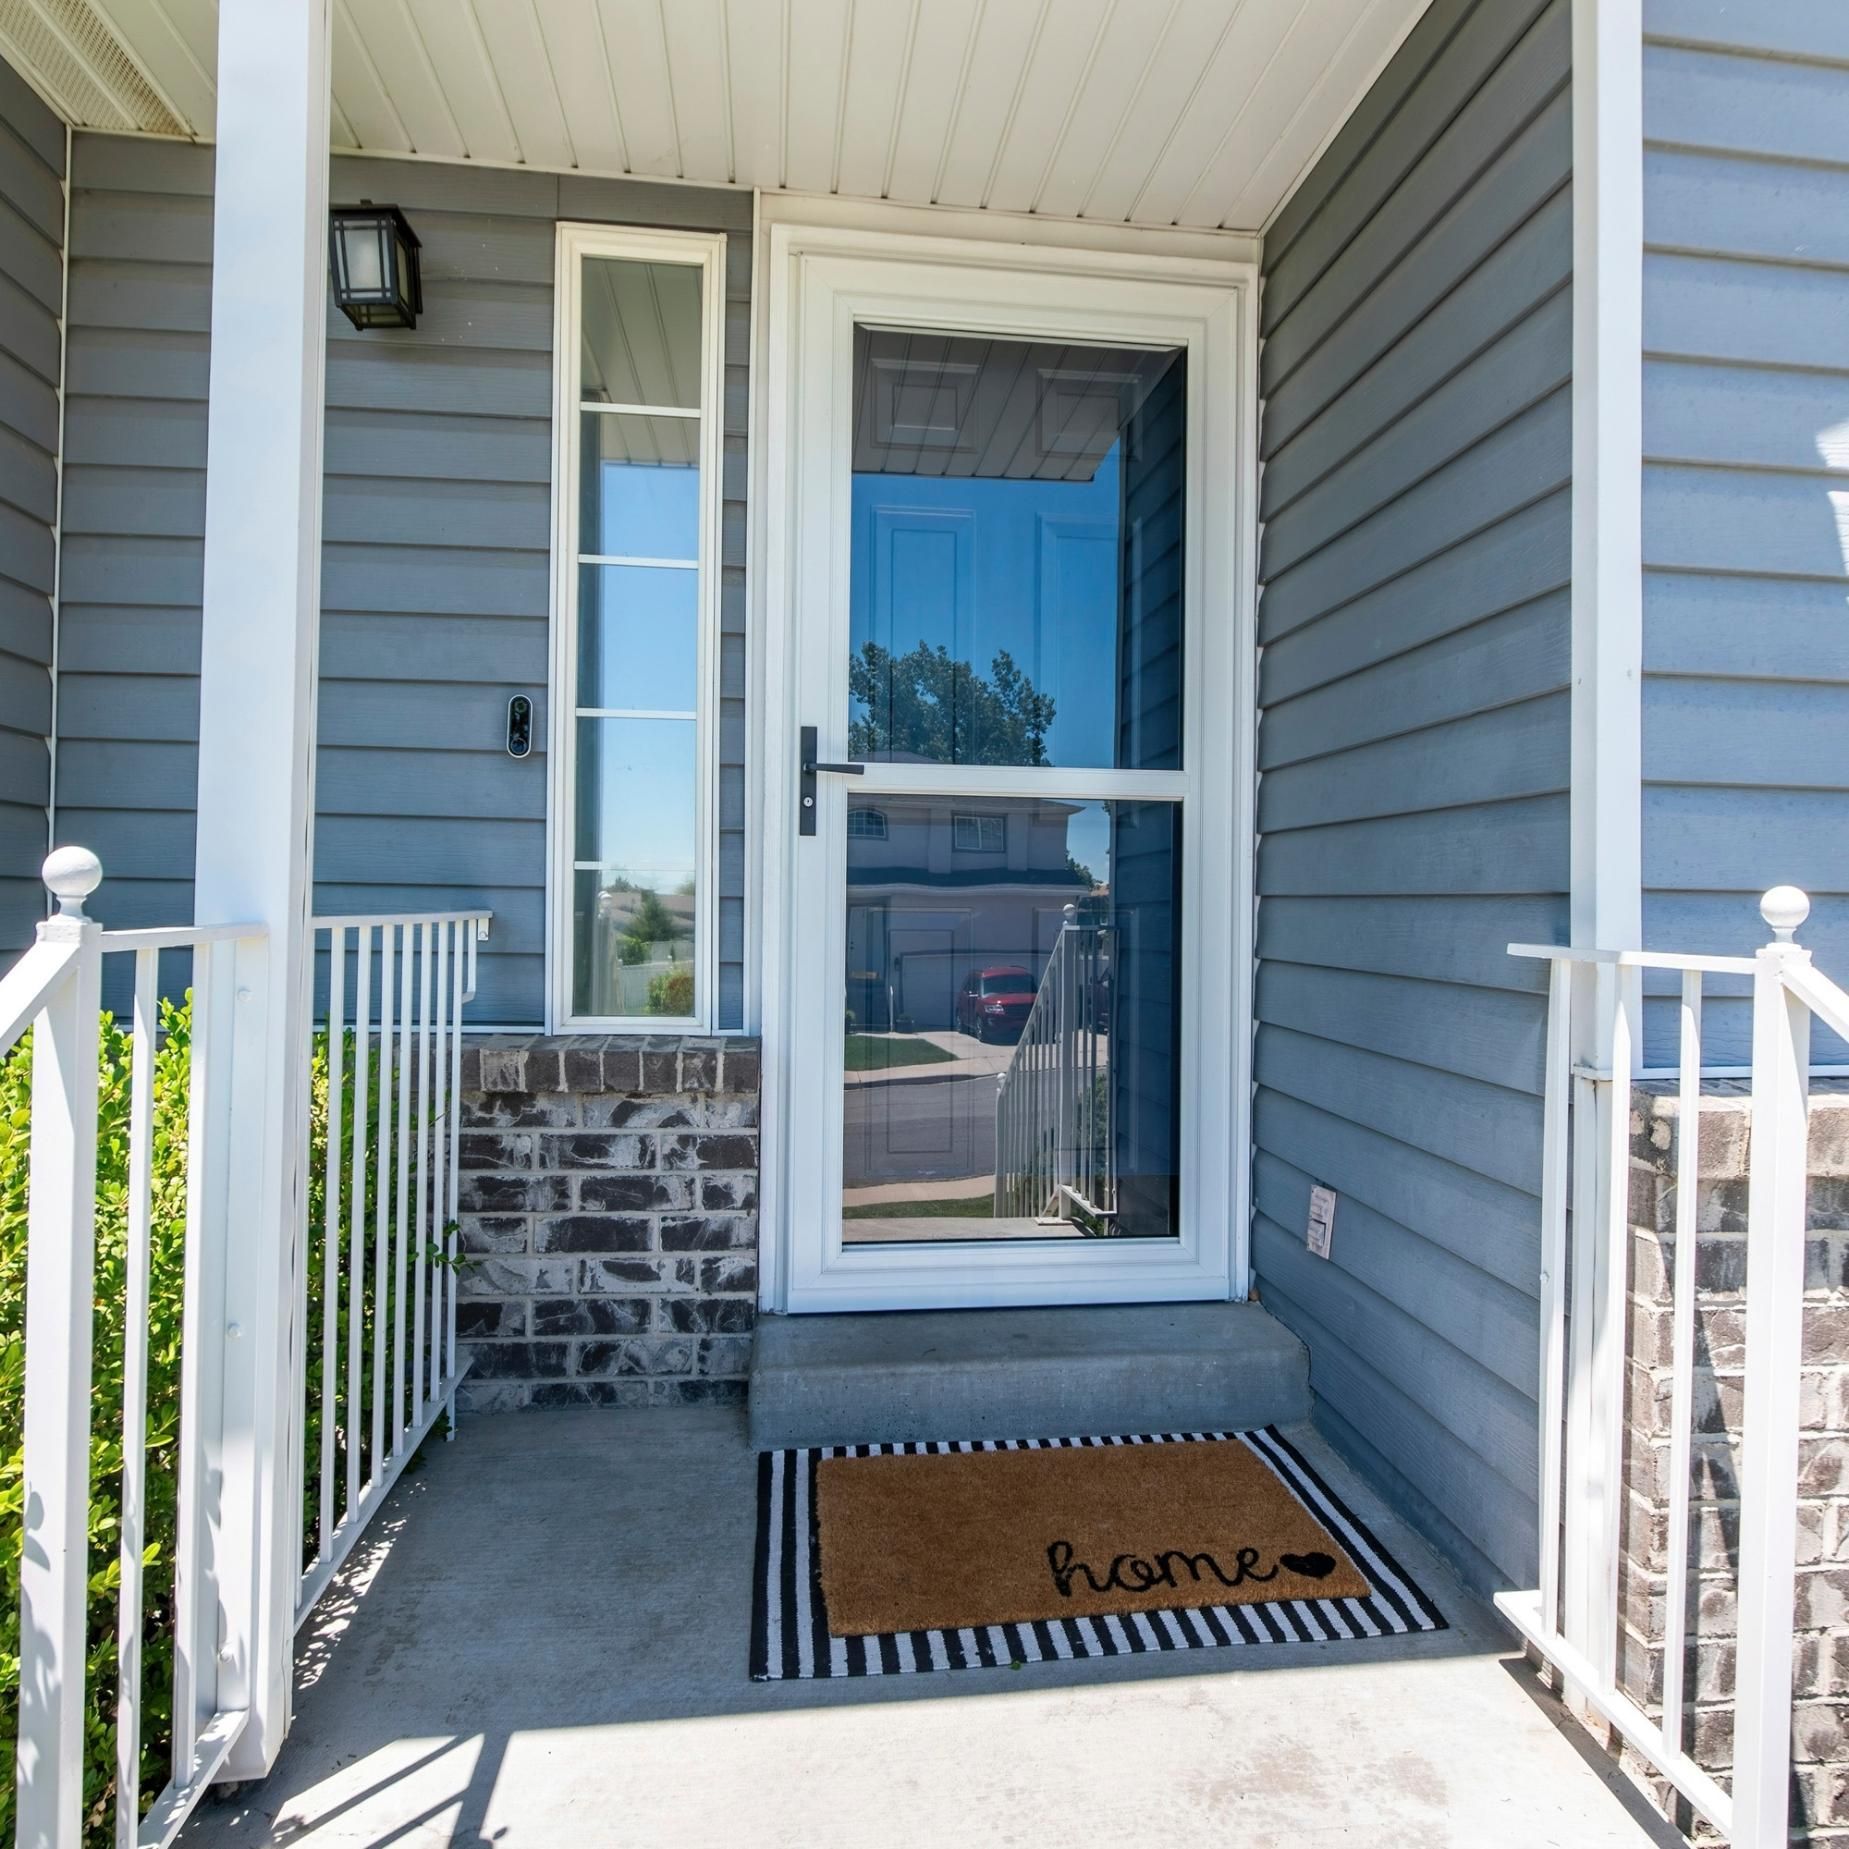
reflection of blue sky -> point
(640, 510)
(1030, 566)
(1088, 840)
(638, 631)
(636, 798)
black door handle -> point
(810, 766)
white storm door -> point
(1009, 863)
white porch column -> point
(256, 769)
(1608, 375)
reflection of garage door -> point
(924, 963)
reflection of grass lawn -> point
(969, 1207)
(877, 1053)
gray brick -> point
(729, 1193)
(620, 1274)
(732, 1272)
(633, 1193)
(515, 1277)
(592, 1393)
(501, 1194)
(598, 1150)
(724, 1355)
(707, 1315)
(477, 1149)
(516, 1110)
(482, 1317)
(590, 1315)
(707, 1233)
(594, 1232)
(502, 1066)
(661, 1067)
(517, 1360)
(644, 1355)
(620, 1113)
(583, 1063)
(494, 1233)
(622, 1063)
(699, 1066)
(713, 1151)
(699, 1393)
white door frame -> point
(819, 280)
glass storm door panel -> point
(997, 1059)
(1010, 975)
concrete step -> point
(1047, 1373)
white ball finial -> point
(1784, 908)
(72, 874)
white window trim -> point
(706, 252)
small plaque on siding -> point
(1322, 1221)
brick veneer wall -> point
(1820, 1729)
(609, 1220)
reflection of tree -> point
(926, 705)
(649, 924)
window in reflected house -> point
(979, 834)
(641, 513)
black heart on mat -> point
(1311, 1566)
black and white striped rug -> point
(789, 1626)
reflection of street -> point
(923, 1129)
(967, 1056)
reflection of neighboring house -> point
(909, 943)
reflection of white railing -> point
(1572, 1617)
(1055, 1143)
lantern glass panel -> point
(365, 257)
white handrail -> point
(397, 984)
(1572, 1615)
(25, 986)
(55, 991)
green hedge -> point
(171, 1082)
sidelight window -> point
(637, 513)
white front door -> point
(1005, 1047)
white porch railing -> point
(1572, 1616)
(382, 1248)
(1055, 1143)
(228, 1331)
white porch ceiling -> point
(1198, 113)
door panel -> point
(1000, 1057)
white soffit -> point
(1197, 113)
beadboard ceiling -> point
(1198, 113)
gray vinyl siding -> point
(1746, 484)
(436, 574)
(31, 307)
(1414, 744)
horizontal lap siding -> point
(31, 303)
(1413, 747)
(436, 575)
(1746, 486)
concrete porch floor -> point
(545, 1643)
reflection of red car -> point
(993, 1004)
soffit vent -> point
(75, 58)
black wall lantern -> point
(372, 258)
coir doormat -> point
(896, 1559)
